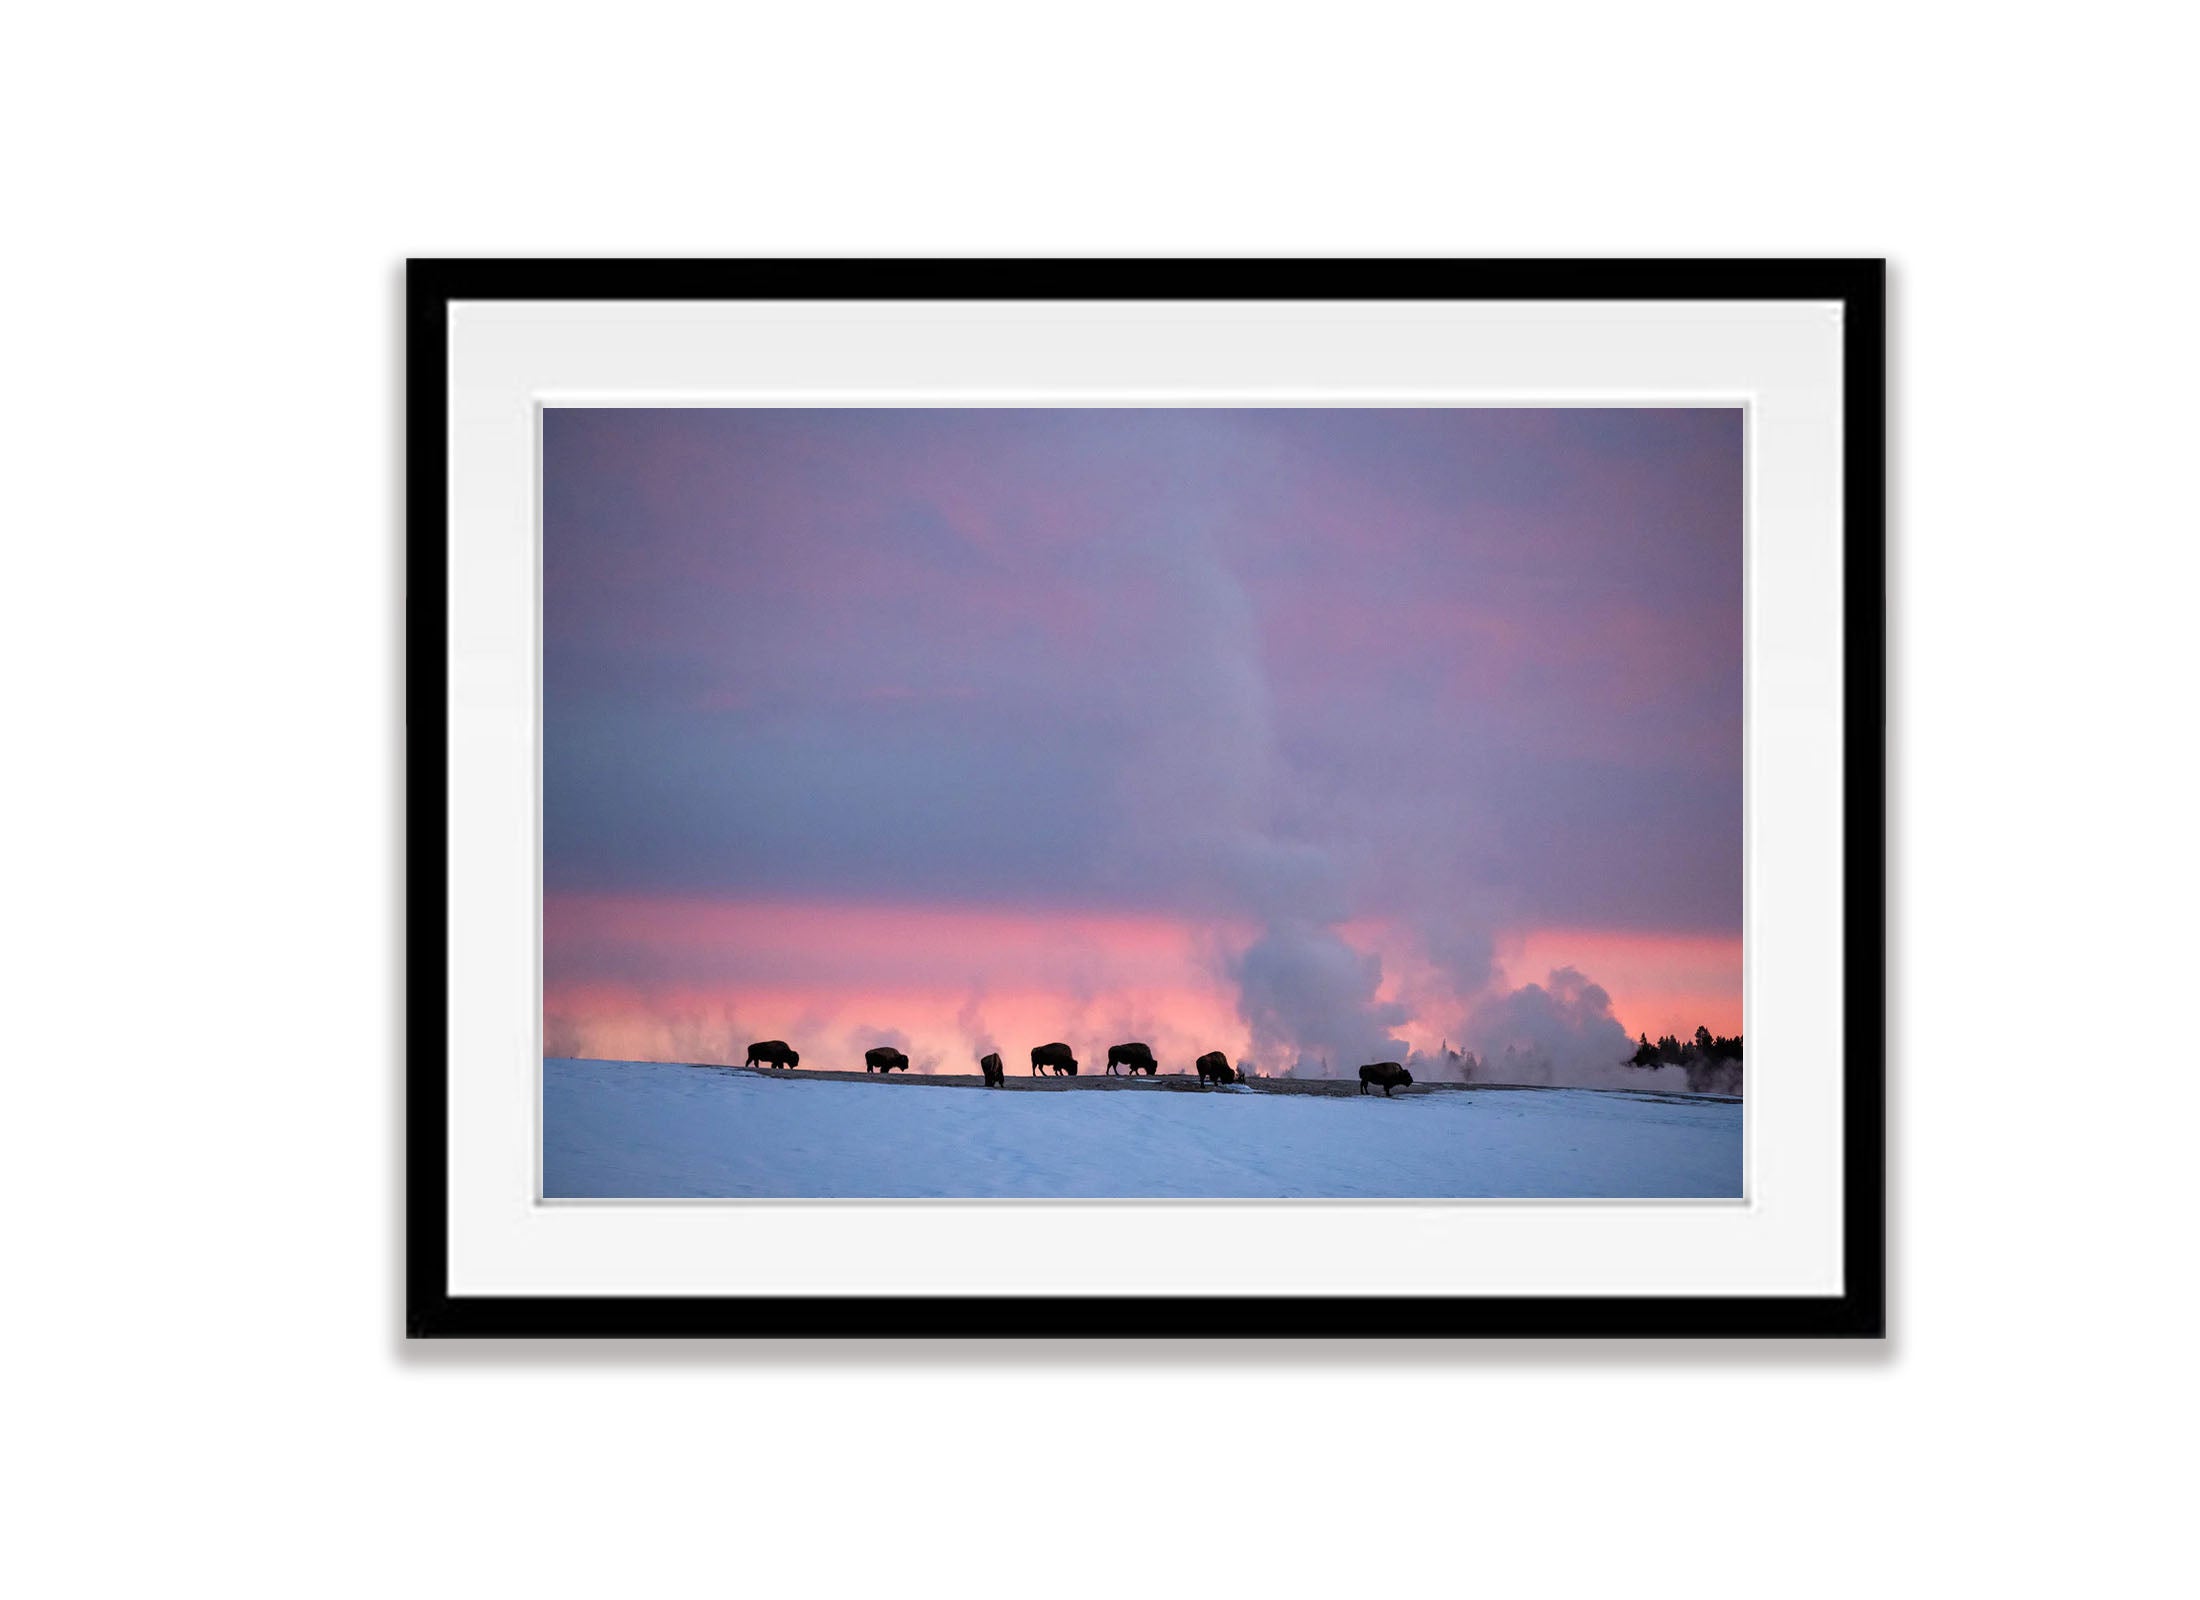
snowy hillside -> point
(635, 1129)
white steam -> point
(970, 1019)
(1560, 1032)
(1309, 999)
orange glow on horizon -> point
(691, 979)
(942, 1028)
(1659, 982)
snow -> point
(614, 1129)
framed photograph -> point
(1156, 799)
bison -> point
(773, 1053)
(1215, 1065)
(884, 1059)
(1387, 1073)
(1056, 1056)
(996, 1076)
(1132, 1058)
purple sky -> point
(1324, 688)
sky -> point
(1315, 736)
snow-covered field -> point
(635, 1129)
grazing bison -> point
(773, 1053)
(884, 1059)
(1214, 1064)
(1387, 1073)
(996, 1075)
(1056, 1056)
(1132, 1058)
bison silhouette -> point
(885, 1058)
(1215, 1065)
(1389, 1074)
(996, 1076)
(773, 1053)
(1056, 1056)
(1132, 1058)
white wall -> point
(207, 209)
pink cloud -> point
(686, 978)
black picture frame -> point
(1859, 1311)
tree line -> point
(1705, 1049)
